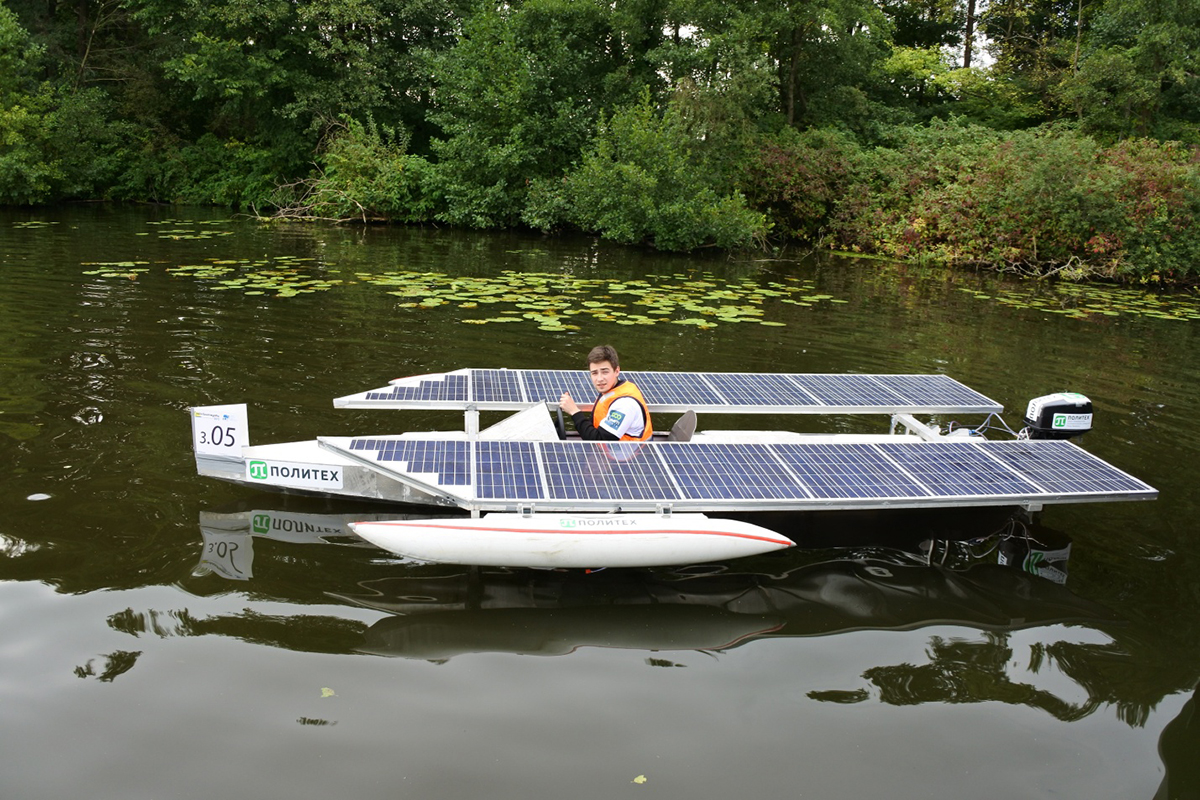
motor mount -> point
(1063, 415)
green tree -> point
(1138, 71)
(823, 54)
(518, 99)
(25, 175)
(640, 184)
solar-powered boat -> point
(529, 495)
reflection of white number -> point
(222, 549)
(879, 572)
(225, 552)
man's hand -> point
(567, 404)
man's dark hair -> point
(603, 352)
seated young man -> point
(620, 412)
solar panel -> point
(616, 471)
(677, 389)
(582, 476)
(848, 471)
(496, 386)
(704, 392)
(1060, 467)
(547, 385)
(746, 389)
(849, 390)
(728, 472)
(932, 390)
(956, 469)
(507, 471)
(449, 460)
(446, 389)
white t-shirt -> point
(624, 418)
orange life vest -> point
(623, 389)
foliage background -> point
(1043, 136)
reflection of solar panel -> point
(502, 389)
(500, 475)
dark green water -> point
(162, 635)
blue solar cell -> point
(847, 471)
(448, 458)
(1062, 468)
(750, 389)
(605, 471)
(675, 388)
(507, 471)
(445, 389)
(619, 473)
(932, 390)
(729, 472)
(499, 388)
(547, 385)
(848, 390)
(956, 469)
(496, 386)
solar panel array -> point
(502, 389)
(578, 475)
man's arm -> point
(588, 431)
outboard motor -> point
(1058, 416)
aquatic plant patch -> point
(1084, 301)
(550, 300)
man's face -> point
(604, 376)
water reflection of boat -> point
(1178, 746)
(228, 535)
(437, 612)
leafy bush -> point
(1045, 201)
(798, 180)
(363, 174)
(638, 184)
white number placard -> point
(220, 430)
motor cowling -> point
(1058, 416)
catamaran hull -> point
(572, 541)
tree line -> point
(1045, 136)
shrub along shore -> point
(852, 125)
(1048, 201)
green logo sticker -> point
(258, 470)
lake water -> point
(164, 635)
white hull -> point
(572, 540)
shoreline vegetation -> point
(858, 126)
